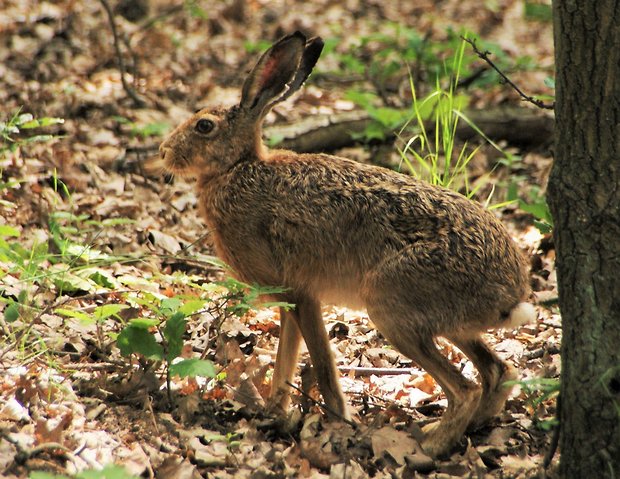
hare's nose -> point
(163, 149)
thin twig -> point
(485, 56)
(149, 22)
(139, 102)
(323, 406)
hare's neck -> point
(209, 183)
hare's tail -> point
(522, 313)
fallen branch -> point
(360, 371)
(517, 126)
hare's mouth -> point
(178, 164)
(173, 162)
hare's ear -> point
(274, 70)
(311, 54)
(288, 62)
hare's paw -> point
(493, 401)
(437, 440)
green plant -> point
(108, 472)
(60, 261)
(385, 120)
(432, 151)
(538, 10)
(158, 337)
(10, 130)
(195, 10)
(384, 56)
(169, 323)
(540, 390)
(536, 205)
(256, 47)
(144, 130)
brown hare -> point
(423, 260)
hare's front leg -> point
(286, 360)
(307, 314)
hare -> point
(424, 261)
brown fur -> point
(423, 260)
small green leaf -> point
(6, 230)
(144, 323)
(11, 313)
(107, 310)
(40, 123)
(103, 278)
(169, 306)
(193, 367)
(173, 332)
(538, 11)
(137, 340)
(69, 282)
(110, 471)
(543, 226)
(82, 316)
(275, 140)
(117, 221)
(192, 306)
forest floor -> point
(84, 227)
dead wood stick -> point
(366, 371)
(139, 102)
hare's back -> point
(369, 212)
(334, 194)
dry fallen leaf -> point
(397, 444)
(177, 468)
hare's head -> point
(213, 140)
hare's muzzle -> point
(163, 150)
(166, 155)
(161, 162)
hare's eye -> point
(204, 126)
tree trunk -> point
(584, 197)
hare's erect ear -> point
(311, 54)
(288, 62)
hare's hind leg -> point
(286, 360)
(307, 314)
(493, 374)
(463, 395)
(409, 308)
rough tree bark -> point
(584, 197)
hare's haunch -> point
(423, 260)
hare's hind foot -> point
(494, 372)
(494, 400)
(443, 435)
